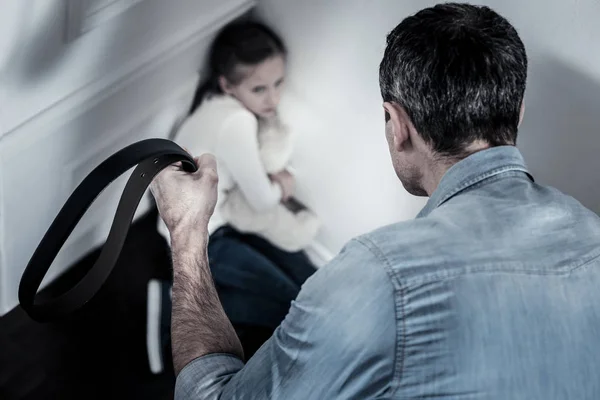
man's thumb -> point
(206, 161)
(207, 166)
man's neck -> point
(433, 176)
(437, 168)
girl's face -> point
(260, 89)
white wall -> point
(67, 105)
(335, 106)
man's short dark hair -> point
(459, 71)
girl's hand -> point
(286, 181)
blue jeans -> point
(256, 282)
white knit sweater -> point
(223, 127)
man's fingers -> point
(206, 160)
(207, 170)
(164, 174)
(179, 164)
(207, 167)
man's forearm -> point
(199, 324)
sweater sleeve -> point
(237, 148)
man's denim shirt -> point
(492, 292)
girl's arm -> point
(237, 148)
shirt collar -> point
(472, 170)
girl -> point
(256, 281)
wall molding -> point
(117, 137)
(77, 102)
(75, 106)
(91, 232)
(75, 171)
(81, 19)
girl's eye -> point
(259, 89)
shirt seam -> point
(399, 355)
(488, 180)
(479, 178)
(207, 357)
(484, 269)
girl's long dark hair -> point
(239, 43)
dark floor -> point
(99, 352)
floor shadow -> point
(98, 352)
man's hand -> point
(286, 181)
(186, 201)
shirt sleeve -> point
(337, 342)
(237, 148)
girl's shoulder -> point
(221, 108)
(211, 118)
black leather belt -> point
(151, 156)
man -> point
(492, 292)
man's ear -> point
(224, 85)
(396, 126)
(522, 112)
